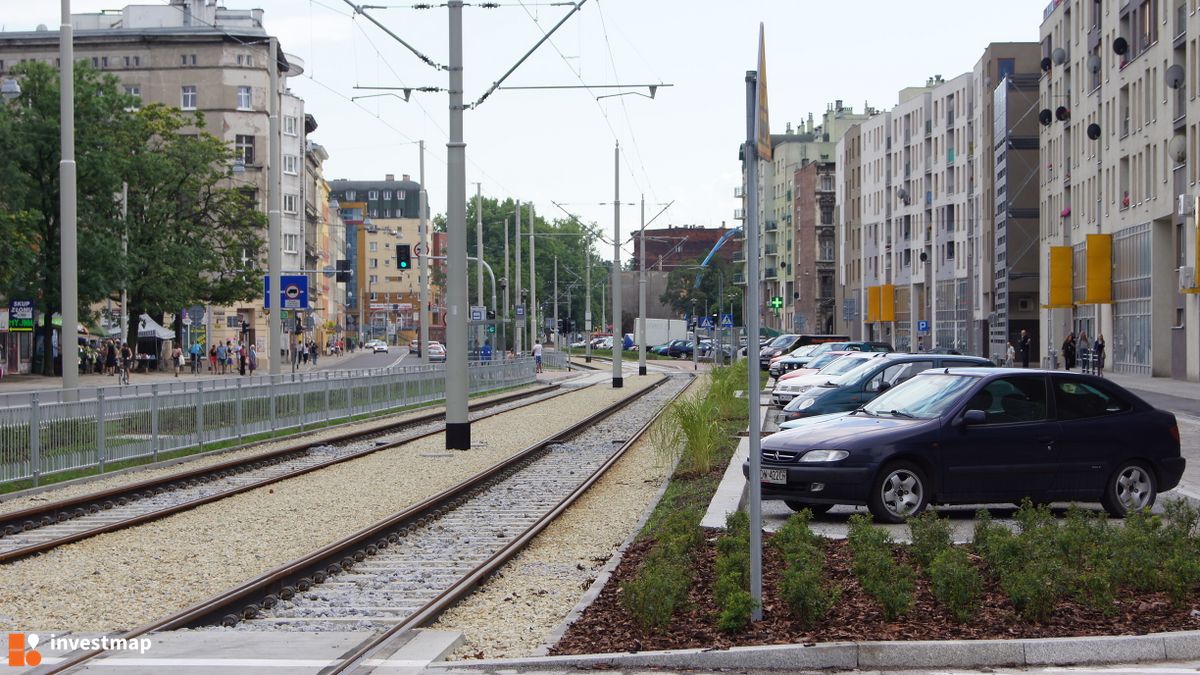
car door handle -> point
(1048, 441)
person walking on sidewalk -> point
(1098, 354)
(222, 357)
(537, 356)
(253, 360)
(1023, 345)
(177, 359)
(196, 352)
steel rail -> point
(299, 575)
(95, 502)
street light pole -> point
(504, 320)
(518, 322)
(458, 426)
(532, 309)
(274, 207)
(68, 345)
(423, 261)
(557, 329)
(587, 311)
(618, 338)
(479, 253)
(642, 293)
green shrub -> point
(1033, 588)
(1094, 588)
(955, 581)
(1181, 575)
(804, 592)
(679, 532)
(795, 536)
(733, 559)
(892, 584)
(1138, 550)
(930, 536)
(691, 433)
(658, 589)
(737, 611)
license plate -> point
(776, 476)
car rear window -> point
(1078, 400)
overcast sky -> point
(557, 145)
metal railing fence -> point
(46, 437)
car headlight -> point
(824, 455)
(803, 388)
(805, 404)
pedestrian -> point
(126, 359)
(537, 356)
(212, 359)
(1010, 356)
(243, 359)
(1083, 350)
(177, 359)
(1098, 354)
(1023, 344)
(253, 360)
(110, 358)
(195, 353)
(486, 354)
(222, 356)
(316, 351)
(1068, 351)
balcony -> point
(739, 214)
(770, 273)
(739, 278)
(739, 257)
(738, 193)
(771, 226)
(771, 249)
(928, 127)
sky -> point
(557, 145)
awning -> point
(149, 328)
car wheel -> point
(899, 492)
(1132, 487)
(817, 509)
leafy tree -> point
(681, 288)
(29, 204)
(192, 237)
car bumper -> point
(782, 398)
(834, 485)
(1170, 472)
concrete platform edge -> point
(879, 655)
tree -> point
(29, 203)
(192, 237)
(682, 290)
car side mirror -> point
(883, 386)
(971, 417)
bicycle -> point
(123, 372)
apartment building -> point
(1118, 144)
(198, 56)
(848, 230)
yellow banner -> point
(1099, 270)
(762, 126)
(1195, 287)
(872, 304)
(887, 303)
(1061, 280)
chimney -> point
(405, 178)
(390, 177)
(838, 105)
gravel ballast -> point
(124, 579)
(513, 613)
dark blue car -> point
(976, 436)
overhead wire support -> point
(359, 9)
(497, 83)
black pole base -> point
(588, 359)
(458, 435)
(641, 370)
(618, 382)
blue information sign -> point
(922, 326)
(726, 321)
(294, 294)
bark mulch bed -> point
(606, 627)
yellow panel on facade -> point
(1099, 270)
(1195, 287)
(1061, 264)
(887, 303)
(872, 304)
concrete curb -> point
(879, 655)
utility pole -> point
(68, 343)
(587, 311)
(274, 202)
(458, 427)
(618, 337)
(533, 327)
(423, 260)
(125, 253)
(642, 293)
(479, 268)
(557, 329)
(519, 321)
(504, 319)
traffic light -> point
(343, 271)
(403, 256)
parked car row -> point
(899, 432)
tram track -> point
(42, 528)
(404, 570)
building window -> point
(372, 195)
(350, 195)
(187, 59)
(243, 147)
(289, 128)
(291, 243)
(387, 194)
(291, 164)
(245, 60)
(372, 246)
(374, 263)
(289, 203)
(387, 213)
(387, 262)
(134, 90)
(243, 98)
(374, 213)
(187, 98)
(400, 195)
(103, 61)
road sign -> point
(478, 312)
(419, 249)
(776, 302)
(922, 326)
(726, 321)
(294, 294)
(20, 316)
(187, 320)
(706, 322)
(520, 310)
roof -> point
(341, 185)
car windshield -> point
(859, 367)
(843, 365)
(824, 360)
(925, 396)
(781, 341)
(803, 351)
